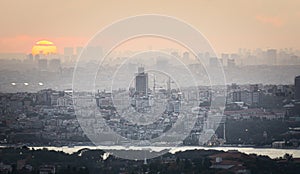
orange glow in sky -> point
(228, 25)
(44, 47)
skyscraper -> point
(297, 96)
(68, 51)
(272, 56)
(297, 88)
(78, 50)
(54, 65)
(141, 82)
(230, 63)
(43, 64)
(68, 54)
(213, 62)
(186, 55)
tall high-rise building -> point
(68, 54)
(78, 50)
(43, 64)
(68, 51)
(225, 58)
(141, 82)
(297, 88)
(297, 96)
(213, 62)
(30, 57)
(271, 56)
(230, 63)
(37, 58)
(186, 55)
(54, 65)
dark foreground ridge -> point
(23, 160)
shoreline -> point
(264, 151)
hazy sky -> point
(228, 25)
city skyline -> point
(139, 86)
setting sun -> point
(44, 47)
